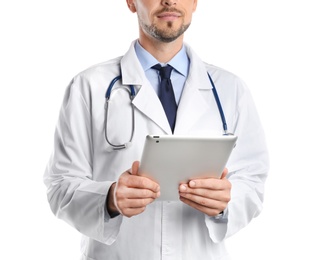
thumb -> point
(224, 173)
(135, 168)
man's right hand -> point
(132, 193)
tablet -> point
(171, 160)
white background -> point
(270, 44)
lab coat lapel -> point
(146, 100)
(149, 104)
(193, 104)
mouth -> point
(169, 15)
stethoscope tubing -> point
(132, 95)
(107, 96)
(222, 115)
(108, 93)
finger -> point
(209, 210)
(136, 181)
(141, 182)
(204, 201)
(138, 203)
(135, 193)
(133, 198)
(131, 207)
(218, 195)
(207, 182)
(135, 168)
(210, 183)
(224, 173)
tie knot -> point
(165, 72)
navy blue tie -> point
(166, 93)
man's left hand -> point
(210, 196)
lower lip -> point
(168, 17)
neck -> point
(162, 51)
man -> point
(115, 209)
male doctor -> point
(97, 189)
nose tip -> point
(168, 2)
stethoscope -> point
(132, 95)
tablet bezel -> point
(171, 160)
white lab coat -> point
(83, 166)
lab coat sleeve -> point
(72, 193)
(248, 168)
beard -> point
(168, 34)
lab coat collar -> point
(146, 99)
(192, 104)
(197, 70)
(131, 69)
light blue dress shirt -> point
(180, 63)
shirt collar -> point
(180, 61)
